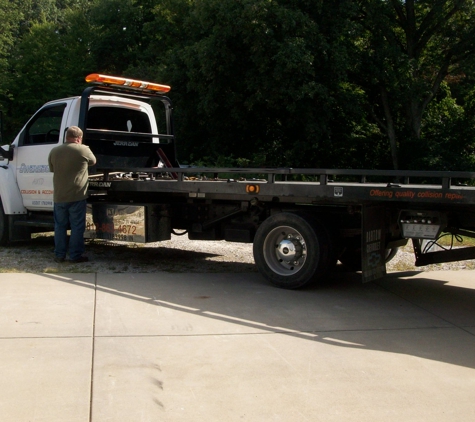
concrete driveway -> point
(230, 347)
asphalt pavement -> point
(230, 347)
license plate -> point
(115, 222)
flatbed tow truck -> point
(300, 221)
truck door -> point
(44, 131)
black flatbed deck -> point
(335, 186)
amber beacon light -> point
(132, 83)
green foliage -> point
(448, 141)
(119, 38)
(408, 48)
(49, 62)
(301, 83)
(263, 78)
(9, 18)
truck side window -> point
(45, 126)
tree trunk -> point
(390, 129)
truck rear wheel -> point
(291, 250)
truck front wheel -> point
(291, 250)
(3, 226)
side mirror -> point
(6, 154)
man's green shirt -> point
(69, 163)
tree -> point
(9, 19)
(408, 49)
(48, 62)
(261, 80)
(120, 40)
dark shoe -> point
(58, 259)
(80, 259)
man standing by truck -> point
(69, 163)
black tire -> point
(291, 250)
(3, 226)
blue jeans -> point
(69, 215)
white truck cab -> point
(26, 183)
(31, 147)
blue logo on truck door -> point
(34, 168)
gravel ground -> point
(176, 255)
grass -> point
(446, 241)
(466, 241)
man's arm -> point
(50, 163)
(91, 158)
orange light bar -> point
(117, 80)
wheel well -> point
(3, 225)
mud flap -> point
(373, 250)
